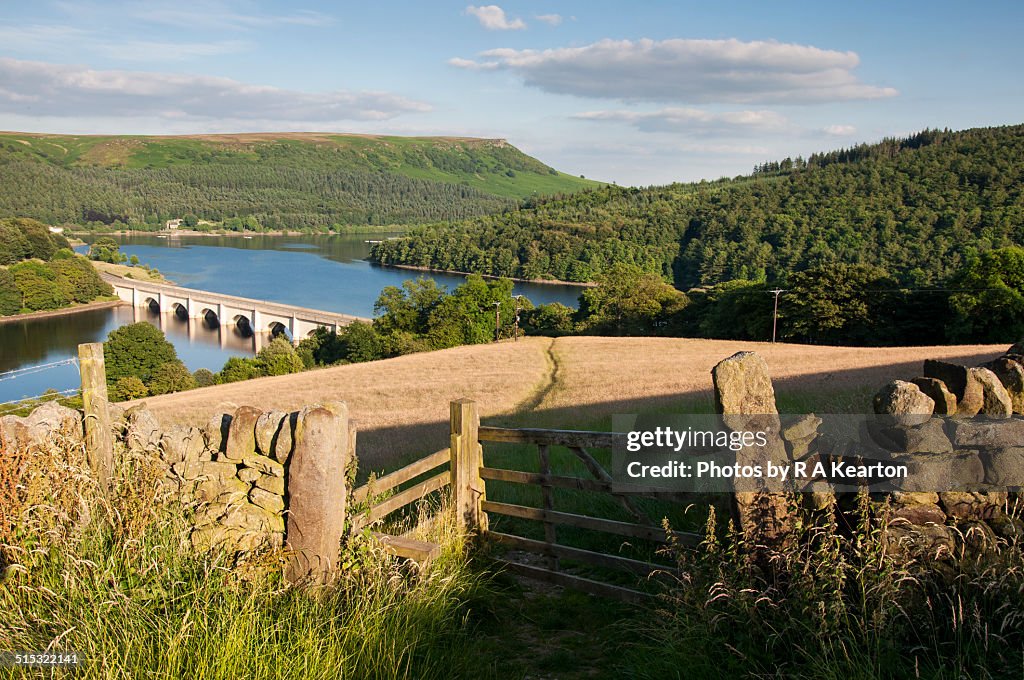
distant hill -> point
(283, 180)
(916, 207)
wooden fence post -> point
(99, 439)
(315, 493)
(467, 459)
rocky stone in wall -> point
(906, 401)
(945, 401)
(970, 396)
(142, 431)
(43, 425)
(242, 434)
(181, 443)
(1011, 374)
(996, 400)
(274, 435)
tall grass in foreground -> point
(836, 604)
(118, 582)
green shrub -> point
(171, 377)
(128, 387)
(236, 369)
(137, 349)
(278, 358)
(204, 377)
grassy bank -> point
(117, 582)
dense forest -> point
(295, 181)
(915, 208)
(39, 271)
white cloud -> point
(840, 130)
(42, 89)
(688, 71)
(493, 18)
(549, 19)
(692, 121)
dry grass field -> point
(401, 405)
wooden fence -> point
(468, 476)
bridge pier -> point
(261, 314)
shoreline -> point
(547, 282)
(64, 311)
(236, 234)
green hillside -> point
(915, 207)
(286, 180)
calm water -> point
(322, 272)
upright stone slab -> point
(970, 394)
(315, 493)
(241, 443)
(1011, 374)
(945, 401)
(745, 397)
(996, 402)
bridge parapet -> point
(262, 316)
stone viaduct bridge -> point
(249, 316)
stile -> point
(402, 475)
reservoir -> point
(321, 272)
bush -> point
(553, 319)
(171, 377)
(278, 358)
(204, 377)
(137, 349)
(127, 388)
(236, 369)
(106, 249)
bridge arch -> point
(179, 310)
(244, 324)
(210, 317)
(152, 304)
(278, 329)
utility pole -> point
(497, 320)
(775, 314)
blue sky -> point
(638, 93)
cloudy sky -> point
(638, 93)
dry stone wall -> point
(232, 471)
